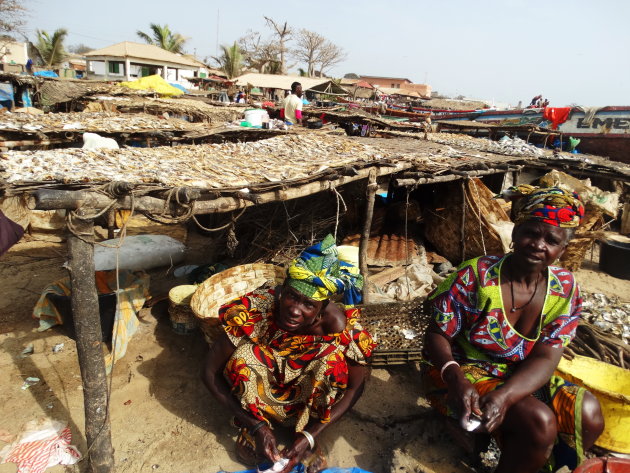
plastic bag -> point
(139, 252)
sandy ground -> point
(162, 417)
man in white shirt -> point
(293, 105)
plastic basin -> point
(611, 385)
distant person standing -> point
(293, 105)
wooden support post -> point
(365, 235)
(462, 234)
(87, 324)
(111, 224)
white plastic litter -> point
(277, 466)
(139, 252)
(94, 141)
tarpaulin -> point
(6, 92)
(45, 74)
(154, 82)
(556, 115)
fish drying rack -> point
(399, 329)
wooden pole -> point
(365, 235)
(87, 325)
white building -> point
(13, 55)
(128, 61)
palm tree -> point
(231, 61)
(50, 47)
(164, 38)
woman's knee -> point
(592, 419)
(536, 421)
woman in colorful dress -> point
(290, 353)
(500, 325)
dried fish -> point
(229, 165)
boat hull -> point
(606, 133)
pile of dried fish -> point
(194, 109)
(506, 146)
(604, 331)
(218, 166)
(92, 122)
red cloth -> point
(556, 115)
(282, 113)
(298, 114)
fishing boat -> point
(604, 131)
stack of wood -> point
(593, 342)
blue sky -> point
(509, 50)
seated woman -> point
(292, 353)
(500, 325)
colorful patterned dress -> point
(468, 306)
(276, 374)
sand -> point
(163, 419)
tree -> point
(283, 32)
(257, 53)
(231, 60)
(351, 75)
(79, 48)
(330, 56)
(164, 38)
(12, 14)
(308, 49)
(50, 47)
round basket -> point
(182, 318)
(226, 286)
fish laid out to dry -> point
(92, 122)
(227, 165)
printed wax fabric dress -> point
(278, 375)
(468, 306)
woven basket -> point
(226, 286)
(182, 318)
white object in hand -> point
(472, 424)
(277, 466)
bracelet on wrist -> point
(257, 427)
(309, 437)
(446, 365)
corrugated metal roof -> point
(128, 49)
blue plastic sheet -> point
(6, 92)
(300, 469)
(45, 74)
(180, 87)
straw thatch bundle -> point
(484, 222)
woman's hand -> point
(494, 405)
(464, 398)
(266, 444)
(296, 453)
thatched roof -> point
(273, 81)
(142, 52)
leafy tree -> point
(164, 38)
(351, 75)
(50, 47)
(12, 13)
(231, 60)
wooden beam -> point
(365, 234)
(87, 325)
(54, 199)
